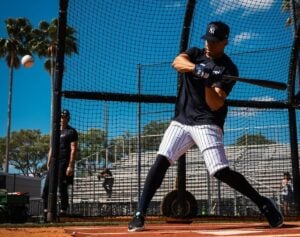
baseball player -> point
(199, 118)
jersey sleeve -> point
(74, 135)
(193, 53)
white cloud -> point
(263, 98)
(222, 6)
(250, 112)
(174, 5)
(244, 36)
(243, 112)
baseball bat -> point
(264, 83)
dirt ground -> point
(34, 232)
(155, 227)
(239, 229)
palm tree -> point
(44, 43)
(12, 48)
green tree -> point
(253, 139)
(28, 151)
(119, 147)
(12, 48)
(44, 43)
(151, 134)
(92, 141)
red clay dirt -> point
(196, 229)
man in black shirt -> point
(199, 118)
(66, 163)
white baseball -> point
(27, 61)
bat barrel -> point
(257, 82)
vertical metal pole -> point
(139, 131)
(234, 196)
(97, 160)
(115, 151)
(106, 133)
(94, 188)
(53, 172)
(181, 167)
(123, 150)
(219, 197)
(106, 157)
(209, 196)
(292, 110)
(294, 157)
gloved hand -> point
(204, 73)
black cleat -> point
(137, 222)
(272, 214)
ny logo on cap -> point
(212, 30)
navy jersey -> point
(67, 136)
(191, 107)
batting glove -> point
(204, 73)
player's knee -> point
(161, 162)
(158, 170)
(222, 174)
(229, 176)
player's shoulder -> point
(194, 50)
(72, 130)
(194, 53)
(230, 65)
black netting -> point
(121, 90)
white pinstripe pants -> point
(178, 138)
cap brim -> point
(210, 38)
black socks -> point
(238, 182)
(153, 181)
(158, 170)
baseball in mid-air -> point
(27, 61)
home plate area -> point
(291, 229)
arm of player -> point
(70, 169)
(183, 64)
(214, 97)
(49, 159)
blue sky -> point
(31, 86)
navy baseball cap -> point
(216, 31)
(65, 113)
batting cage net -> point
(121, 89)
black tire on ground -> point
(172, 207)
